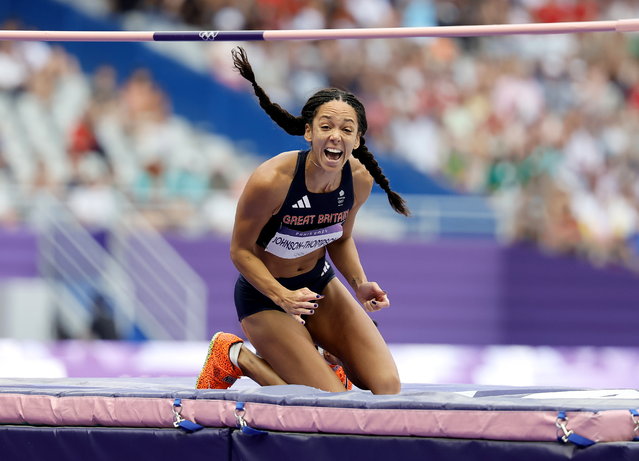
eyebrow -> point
(328, 117)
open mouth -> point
(333, 154)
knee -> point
(389, 384)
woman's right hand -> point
(299, 302)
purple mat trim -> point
(36, 410)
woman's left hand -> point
(372, 297)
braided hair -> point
(297, 125)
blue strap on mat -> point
(569, 435)
(244, 427)
(634, 414)
(184, 424)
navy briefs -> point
(248, 300)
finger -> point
(370, 306)
(383, 300)
(309, 295)
(378, 293)
(382, 304)
(374, 305)
(306, 309)
(299, 318)
(314, 296)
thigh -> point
(341, 326)
(288, 347)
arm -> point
(344, 255)
(262, 196)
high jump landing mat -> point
(166, 418)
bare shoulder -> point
(269, 183)
(275, 171)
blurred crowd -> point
(545, 125)
(102, 142)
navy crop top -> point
(307, 220)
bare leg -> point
(257, 368)
(341, 326)
(289, 349)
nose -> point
(335, 136)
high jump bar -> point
(623, 25)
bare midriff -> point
(285, 268)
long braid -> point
(291, 124)
(297, 125)
(368, 160)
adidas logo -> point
(302, 203)
(325, 269)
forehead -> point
(336, 110)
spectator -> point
(529, 120)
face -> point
(333, 135)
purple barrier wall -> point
(209, 257)
(467, 292)
(453, 291)
(18, 253)
(444, 292)
(435, 296)
(562, 301)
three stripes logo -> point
(302, 203)
(208, 34)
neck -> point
(319, 180)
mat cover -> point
(452, 411)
